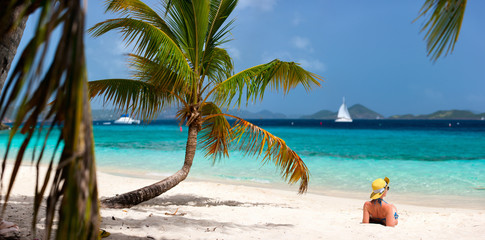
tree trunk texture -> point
(9, 42)
(135, 197)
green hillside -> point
(323, 114)
(450, 114)
(359, 111)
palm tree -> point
(178, 61)
(56, 93)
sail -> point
(343, 112)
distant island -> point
(170, 113)
(450, 114)
(357, 111)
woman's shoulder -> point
(389, 206)
(381, 203)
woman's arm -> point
(391, 221)
(365, 218)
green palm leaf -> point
(219, 13)
(137, 97)
(157, 74)
(139, 10)
(218, 66)
(254, 81)
(188, 20)
(151, 42)
(443, 27)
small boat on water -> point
(125, 119)
(343, 113)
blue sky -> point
(368, 51)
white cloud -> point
(312, 64)
(302, 43)
(264, 5)
(234, 52)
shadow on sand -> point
(20, 208)
(170, 223)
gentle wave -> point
(245, 179)
(389, 157)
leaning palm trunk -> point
(135, 197)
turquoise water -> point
(418, 160)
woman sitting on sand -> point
(377, 210)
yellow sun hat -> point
(378, 187)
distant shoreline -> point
(357, 111)
(456, 124)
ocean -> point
(440, 162)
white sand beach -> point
(208, 210)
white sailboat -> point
(343, 113)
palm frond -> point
(157, 74)
(188, 21)
(254, 81)
(137, 97)
(216, 132)
(443, 26)
(150, 41)
(219, 13)
(219, 65)
(257, 141)
(138, 10)
(74, 190)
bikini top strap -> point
(379, 200)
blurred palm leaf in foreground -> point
(35, 82)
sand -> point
(209, 210)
